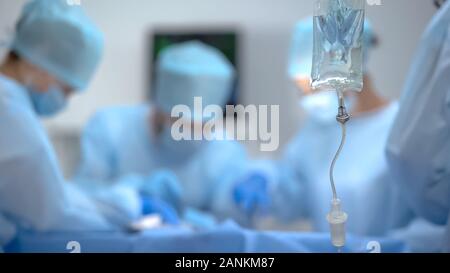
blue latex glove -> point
(152, 205)
(164, 185)
(252, 195)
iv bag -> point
(338, 40)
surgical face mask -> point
(320, 106)
(323, 106)
(48, 103)
(177, 149)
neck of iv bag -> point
(322, 106)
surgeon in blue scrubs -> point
(298, 185)
(133, 145)
(419, 144)
(55, 51)
(300, 182)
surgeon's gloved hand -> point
(152, 205)
(251, 195)
(164, 185)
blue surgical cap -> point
(192, 69)
(300, 58)
(60, 39)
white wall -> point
(266, 26)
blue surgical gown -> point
(119, 144)
(33, 194)
(419, 144)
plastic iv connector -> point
(337, 217)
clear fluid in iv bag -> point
(338, 56)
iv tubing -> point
(333, 187)
(342, 117)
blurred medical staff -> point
(56, 50)
(299, 184)
(133, 145)
(419, 144)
